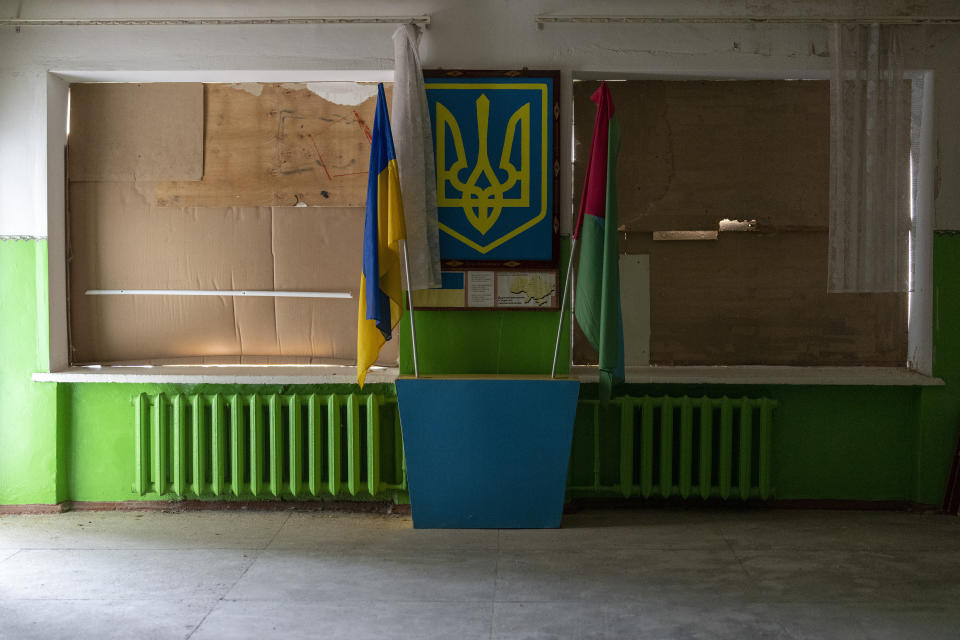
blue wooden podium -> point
(487, 452)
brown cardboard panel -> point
(136, 131)
(282, 147)
(119, 241)
(761, 299)
(696, 152)
(319, 250)
(318, 326)
(128, 328)
(751, 298)
(256, 326)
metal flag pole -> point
(413, 328)
(563, 304)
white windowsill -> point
(764, 374)
(226, 374)
(168, 374)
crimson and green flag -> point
(597, 301)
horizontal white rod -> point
(151, 22)
(202, 292)
(541, 20)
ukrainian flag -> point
(381, 289)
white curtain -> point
(869, 161)
(414, 147)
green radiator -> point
(670, 447)
(350, 446)
(253, 445)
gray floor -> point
(605, 574)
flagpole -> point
(563, 304)
(413, 328)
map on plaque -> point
(492, 289)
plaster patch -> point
(342, 93)
(253, 88)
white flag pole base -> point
(413, 328)
(563, 304)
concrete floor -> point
(605, 574)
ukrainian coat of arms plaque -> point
(497, 162)
(494, 150)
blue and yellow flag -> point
(381, 289)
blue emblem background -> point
(535, 243)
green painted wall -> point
(31, 435)
(939, 415)
(76, 441)
(521, 342)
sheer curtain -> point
(869, 161)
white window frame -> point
(59, 368)
(918, 369)
(920, 324)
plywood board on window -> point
(695, 153)
(129, 132)
(118, 240)
(278, 145)
(698, 152)
(751, 298)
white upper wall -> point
(481, 34)
(23, 149)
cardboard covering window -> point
(236, 237)
(696, 153)
(127, 132)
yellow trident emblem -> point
(482, 193)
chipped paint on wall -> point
(253, 88)
(342, 93)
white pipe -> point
(541, 20)
(151, 22)
(202, 292)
